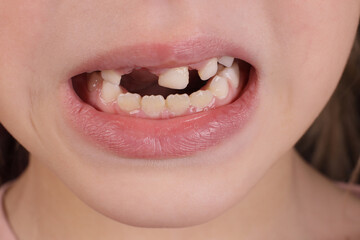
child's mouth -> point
(164, 93)
(163, 103)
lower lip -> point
(131, 137)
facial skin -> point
(299, 50)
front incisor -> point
(174, 78)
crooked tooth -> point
(201, 98)
(178, 104)
(226, 61)
(111, 76)
(109, 91)
(209, 69)
(94, 80)
(232, 74)
(219, 87)
(129, 102)
(175, 78)
(153, 105)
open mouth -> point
(164, 93)
(162, 103)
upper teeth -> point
(226, 61)
(209, 69)
(232, 74)
(175, 78)
(222, 77)
(111, 76)
(110, 88)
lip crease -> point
(183, 136)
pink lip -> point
(160, 139)
(163, 55)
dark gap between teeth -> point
(144, 83)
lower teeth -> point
(105, 94)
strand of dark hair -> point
(13, 157)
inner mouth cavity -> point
(164, 93)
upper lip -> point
(164, 55)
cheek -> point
(314, 40)
(302, 66)
(23, 63)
